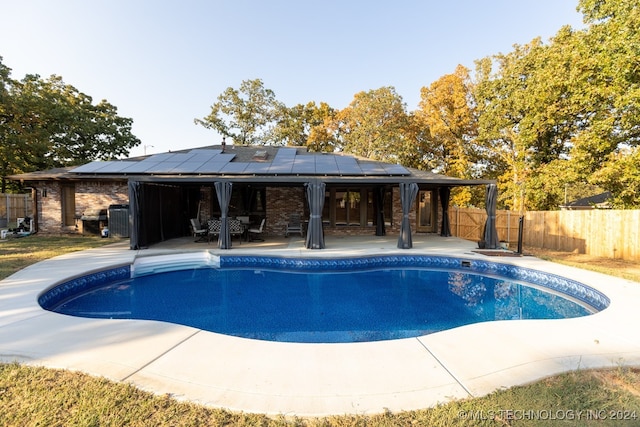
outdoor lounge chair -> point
(294, 225)
(199, 232)
(253, 232)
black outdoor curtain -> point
(380, 226)
(408, 193)
(490, 231)
(315, 198)
(445, 193)
(135, 195)
(223, 191)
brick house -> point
(163, 191)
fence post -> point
(520, 228)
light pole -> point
(145, 148)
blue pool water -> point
(310, 304)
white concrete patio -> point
(313, 379)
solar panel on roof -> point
(211, 167)
(286, 152)
(89, 167)
(114, 166)
(182, 157)
(257, 168)
(163, 167)
(189, 166)
(159, 157)
(372, 169)
(282, 167)
(204, 152)
(237, 167)
(326, 164)
(304, 165)
(395, 169)
(348, 166)
(139, 167)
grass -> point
(48, 397)
(18, 253)
(35, 396)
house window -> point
(347, 207)
(68, 201)
(353, 207)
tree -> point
(621, 175)
(447, 109)
(306, 125)
(374, 125)
(246, 114)
(45, 123)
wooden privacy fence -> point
(14, 206)
(468, 224)
(605, 233)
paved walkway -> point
(313, 379)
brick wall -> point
(281, 202)
(88, 195)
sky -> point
(164, 63)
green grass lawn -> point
(33, 396)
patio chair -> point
(199, 232)
(294, 225)
(253, 232)
(214, 226)
(236, 228)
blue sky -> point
(164, 63)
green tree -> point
(247, 115)
(306, 125)
(620, 174)
(374, 126)
(45, 123)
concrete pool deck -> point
(313, 379)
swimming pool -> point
(322, 300)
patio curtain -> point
(223, 191)
(135, 204)
(445, 193)
(315, 198)
(490, 231)
(380, 226)
(408, 193)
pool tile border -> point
(584, 293)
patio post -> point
(315, 198)
(490, 231)
(408, 193)
(223, 191)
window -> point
(353, 207)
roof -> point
(598, 201)
(246, 163)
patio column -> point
(408, 193)
(315, 198)
(223, 191)
(445, 193)
(380, 226)
(135, 216)
(490, 231)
